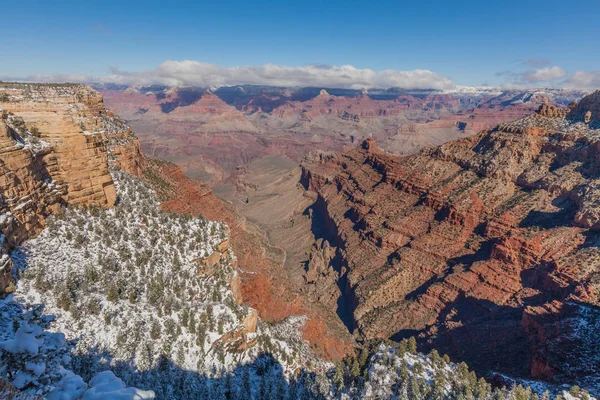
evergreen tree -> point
(411, 346)
(155, 330)
(414, 389)
(338, 378)
(245, 392)
(355, 370)
(192, 323)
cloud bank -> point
(534, 76)
(195, 73)
(554, 76)
(589, 80)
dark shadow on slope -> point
(323, 227)
(261, 378)
(549, 220)
(487, 336)
(185, 97)
(465, 261)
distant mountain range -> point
(188, 125)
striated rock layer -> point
(55, 144)
(483, 246)
(210, 134)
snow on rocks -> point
(106, 385)
(138, 291)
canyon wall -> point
(484, 247)
(55, 145)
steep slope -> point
(472, 243)
(54, 151)
(136, 288)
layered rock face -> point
(55, 144)
(469, 244)
(209, 134)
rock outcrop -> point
(55, 145)
(588, 109)
(462, 243)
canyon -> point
(59, 142)
(484, 247)
(210, 132)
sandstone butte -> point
(56, 144)
(485, 247)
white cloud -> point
(417, 79)
(194, 73)
(584, 80)
(544, 74)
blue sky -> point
(469, 42)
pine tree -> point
(245, 392)
(292, 393)
(229, 392)
(180, 356)
(192, 323)
(113, 292)
(144, 359)
(414, 389)
(439, 385)
(434, 357)
(338, 378)
(403, 395)
(184, 317)
(355, 370)
(262, 387)
(412, 345)
(575, 391)
(546, 395)
(404, 372)
(155, 330)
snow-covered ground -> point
(130, 289)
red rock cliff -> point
(456, 242)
